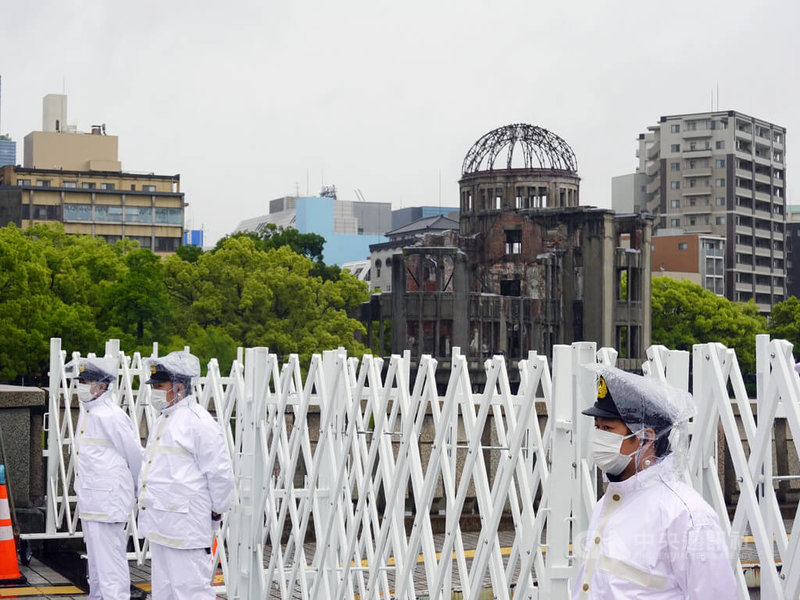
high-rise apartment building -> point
(723, 173)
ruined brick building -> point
(528, 268)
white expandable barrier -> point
(340, 468)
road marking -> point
(56, 590)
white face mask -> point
(606, 446)
(84, 391)
(158, 399)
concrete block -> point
(21, 425)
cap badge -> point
(602, 389)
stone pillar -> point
(21, 410)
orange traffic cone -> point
(9, 568)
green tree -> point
(684, 314)
(137, 302)
(784, 321)
(266, 298)
(189, 253)
(207, 343)
(274, 236)
(51, 285)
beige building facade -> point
(77, 179)
(147, 209)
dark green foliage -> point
(784, 321)
(684, 314)
(270, 290)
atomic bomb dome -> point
(538, 147)
(518, 168)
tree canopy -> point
(266, 298)
(245, 292)
(784, 321)
(274, 236)
(684, 314)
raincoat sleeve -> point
(704, 564)
(215, 464)
(126, 440)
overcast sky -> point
(251, 100)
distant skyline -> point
(254, 100)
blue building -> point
(348, 227)
(8, 151)
(193, 237)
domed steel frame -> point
(538, 145)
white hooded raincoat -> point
(109, 457)
(653, 537)
(187, 474)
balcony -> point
(763, 196)
(763, 289)
(654, 186)
(653, 152)
(696, 173)
(763, 160)
(697, 153)
(697, 191)
(652, 168)
(763, 134)
(697, 210)
(763, 252)
(761, 178)
(696, 134)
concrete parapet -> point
(21, 411)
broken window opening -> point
(513, 241)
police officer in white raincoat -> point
(651, 536)
(185, 484)
(109, 456)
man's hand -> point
(215, 516)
